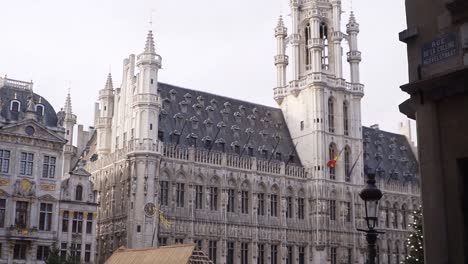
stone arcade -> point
(249, 183)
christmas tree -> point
(415, 240)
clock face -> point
(29, 130)
(150, 209)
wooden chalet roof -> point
(174, 254)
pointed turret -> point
(149, 47)
(109, 83)
(68, 106)
(105, 114)
(354, 55)
(281, 59)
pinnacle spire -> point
(68, 107)
(109, 84)
(280, 21)
(149, 47)
(352, 18)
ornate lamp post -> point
(371, 196)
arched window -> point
(40, 109)
(404, 223)
(347, 164)
(345, 118)
(387, 215)
(331, 155)
(395, 216)
(15, 106)
(306, 44)
(79, 193)
(389, 253)
(324, 37)
(331, 115)
(397, 252)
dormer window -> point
(40, 109)
(208, 143)
(79, 193)
(161, 136)
(237, 149)
(278, 156)
(15, 106)
(175, 137)
(250, 151)
(264, 153)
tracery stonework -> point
(243, 179)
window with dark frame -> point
(345, 119)
(289, 255)
(333, 257)
(75, 251)
(274, 254)
(2, 212)
(21, 217)
(198, 197)
(273, 205)
(5, 156)
(48, 167)
(19, 251)
(63, 250)
(87, 257)
(245, 202)
(77, 223)
(261, 254)
(212, 248)
(180, 194)
(300, 208)
(348, 211)
(331, 155)
(26, 163)
(231, 201)
(230, 253)
(332, 209)
(79, 193)
(164, 200)
(261, 204)
(347, 164)
(301, 255)
(89, 223)
(42, 252)
(244, 253)
(331, 116)
(45, 216)
(214, 198)
(65, 221)
(289, 207)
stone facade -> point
(246, 182)
(437, 45)
(36, 154)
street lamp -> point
(371, 196)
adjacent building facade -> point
(437, 45)
(249, 183)
(36, 155)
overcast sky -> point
(218, 46)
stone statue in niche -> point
(30, 104)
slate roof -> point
(390, 155)
(197, 116)
(7, 94)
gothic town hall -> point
(249, 183)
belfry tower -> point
(321, 108)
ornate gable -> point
(30, 129)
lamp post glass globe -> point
(371, 196)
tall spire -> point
(68, 107)
(149, 47)
(109, 84)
